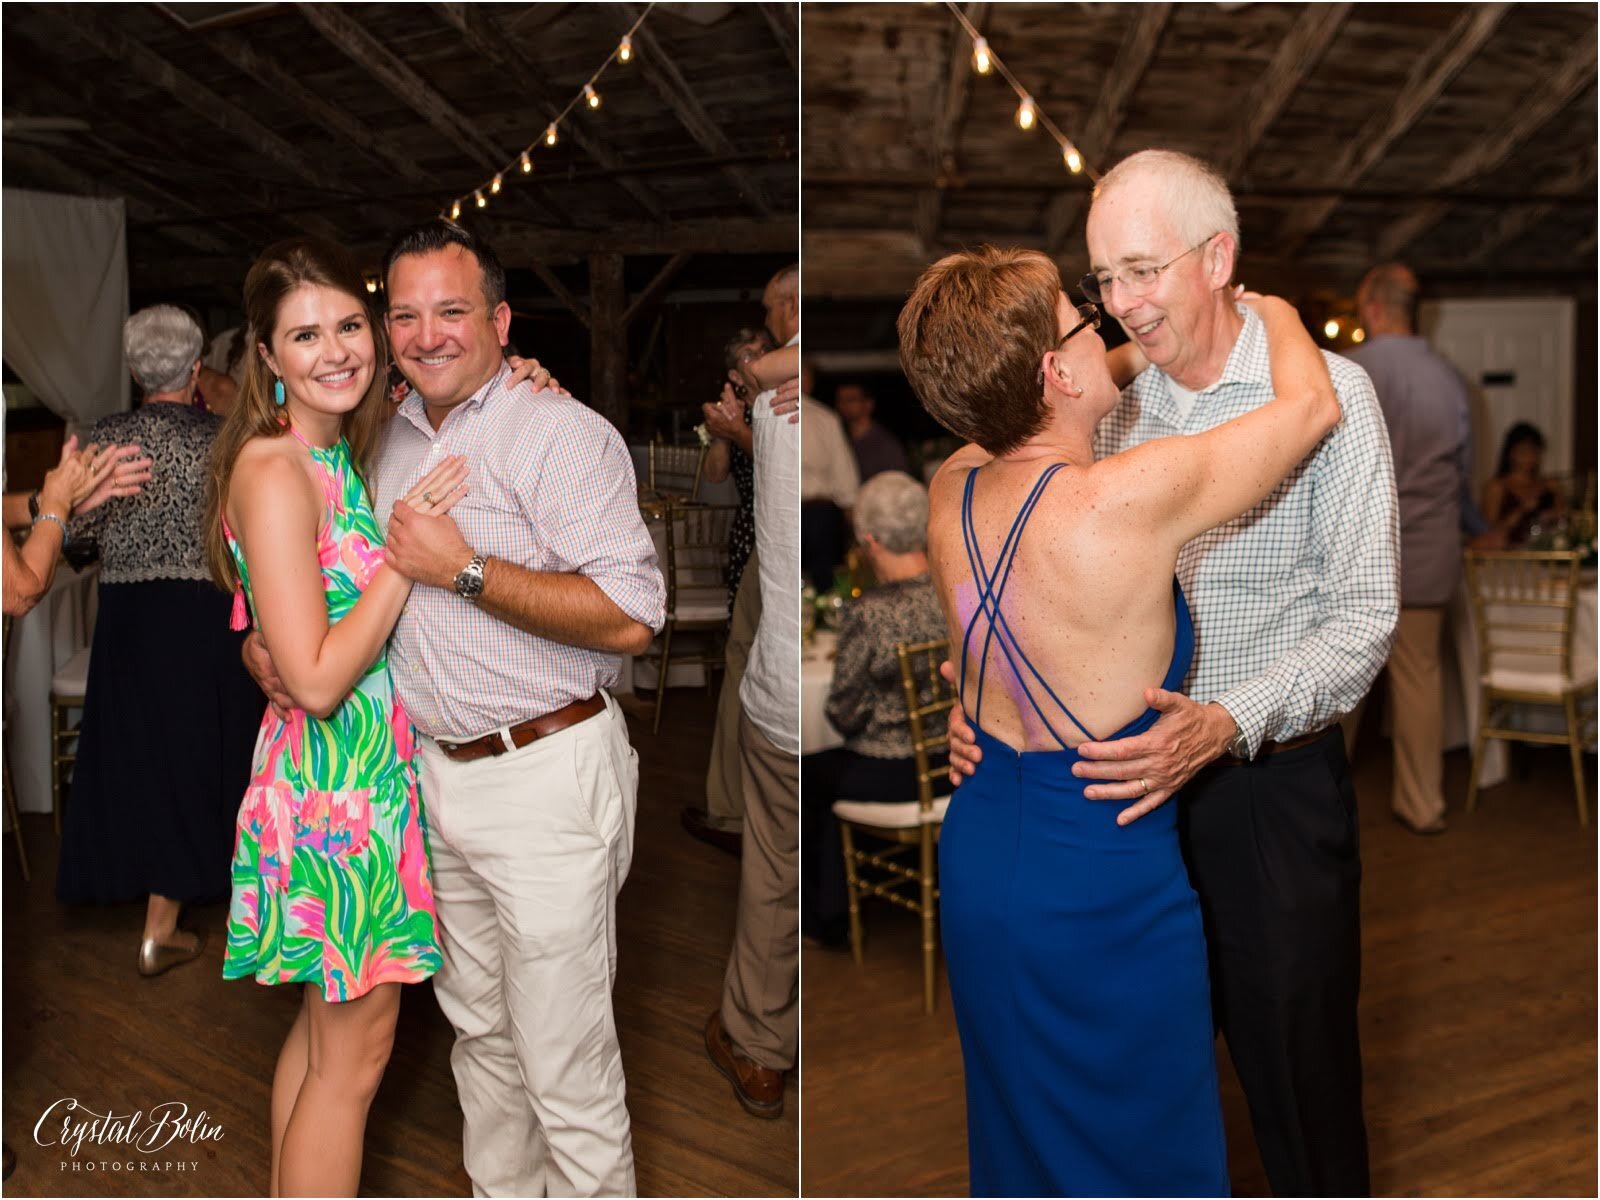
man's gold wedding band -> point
(1145, 783)
(427, 497)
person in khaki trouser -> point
(753, 1036)
(1425, 408)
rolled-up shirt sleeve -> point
(1355, 535)
(584, 501)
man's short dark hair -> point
(440, 234)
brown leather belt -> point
(529, 731)
(1270, 748)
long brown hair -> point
(283, 267)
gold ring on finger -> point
(427, 497)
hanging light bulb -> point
(372, 285)
(455, 210)
(590, 96)
(1026, 114)
(527, 163)
(494, 188)
(625, 49)
(1331, 330)
(478, 196)
(1070, 156)
(1358, 336)
(981, 62)
(550, 134)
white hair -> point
(1192, 194)
(161, 344)
(893, 507)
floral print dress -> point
(330, 867)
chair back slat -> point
(676, 471)
(927, 695)
(696, 570)
(1512, 595)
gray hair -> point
(162, 344)
(743, 337)
(893, 507)
(1192, 194)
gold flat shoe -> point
(156, 957)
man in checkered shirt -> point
(1295, 605)
(526, 596)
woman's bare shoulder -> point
(275, 467)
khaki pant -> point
(724, 795)
(760, 989)
(1416, 702)
(529, 850)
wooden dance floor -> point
(80, 1022)
(1477, 1014)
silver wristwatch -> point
(1239, 746)
(469, 580)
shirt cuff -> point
(1251, 707)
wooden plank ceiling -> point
(353, 120)
(1460, 137)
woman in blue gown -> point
(1074, 943)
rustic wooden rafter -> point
(560, 290)
(663, 76)
(780, 19)
(1427, 80)
(1094, 141)
(656, 288)
(1297, 56)
(1579, 172)
(395, 75)
(1528, 116)
(951, 108)
(483, 32)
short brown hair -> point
(972, 337)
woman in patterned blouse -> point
(866, 702)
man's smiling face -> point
(447, 339)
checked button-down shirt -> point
(550, 488)
(1295, 602)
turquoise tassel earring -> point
(277, 392)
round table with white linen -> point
(816, 679)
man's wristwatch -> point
(469, 580)
(1239, 745)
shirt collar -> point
(414, 410)
(1248, 363)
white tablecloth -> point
(816, 678)
(1461, 672)
(41, 643)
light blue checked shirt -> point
(550, 488)
(1295, 602)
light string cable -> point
(1029, 113)
(587, 96)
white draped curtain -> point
(65, 301)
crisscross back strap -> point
(991, 588)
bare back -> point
(1087, 600)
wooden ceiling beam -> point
(1100, 130)
(780, 19)
(558, 289)
(1529, 114)
(727, 236)
(1297, 56)
(1427, 80)
(376, 147)
(487, 37)
(1511, 224)
(657, 287)
(952, 107)
(664, 78)
(395, 75)
(151, 67)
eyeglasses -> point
(1089, 318)
(1140, 281)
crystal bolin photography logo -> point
(167, 1129)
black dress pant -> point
(1272, 851)
(838, 774)
(824, 540)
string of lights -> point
(587, 96)
(1029, 115)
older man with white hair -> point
(1295, 605)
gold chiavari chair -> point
(1523, 603)
(12, 814)
(696, 575)
(909, 827)
(676, 471)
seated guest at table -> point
(721, 821)
(828, 483)
(877, 450)
(866, 702)
(82, 481)
(170, 716)
(1519, 496)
